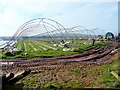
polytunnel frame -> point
(58, 28)
(85, 29)
(99, 29)
(21, 28)
(70, 29)
(77, 27)
(40, 33)
(51, 32)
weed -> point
(76, 70)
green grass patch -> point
(76, 70)
(108, 79)
(89, 46)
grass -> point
(39, 54)
(89, 46)
(48, 53)
(81, 76)
(76, 70)
(109, 80)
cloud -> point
(93, 15)
(14, 13)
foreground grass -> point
(89, 76)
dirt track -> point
(97, 55)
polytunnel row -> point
(48, 28)
(44, 28)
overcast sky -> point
(103, 15)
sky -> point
(93, 14)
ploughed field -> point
(94, 55)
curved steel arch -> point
(89, 31)
(38, 21)
(98, 31)
(85, 31)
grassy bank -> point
(89, 76)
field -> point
(43, 54)
(88, 66)
(33, 48)
(80, 76)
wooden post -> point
(18, 76)
(116, 75)
(9, 76)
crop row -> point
(19, 45)
(32, 45)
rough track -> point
(97, 55)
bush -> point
(76, 70)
